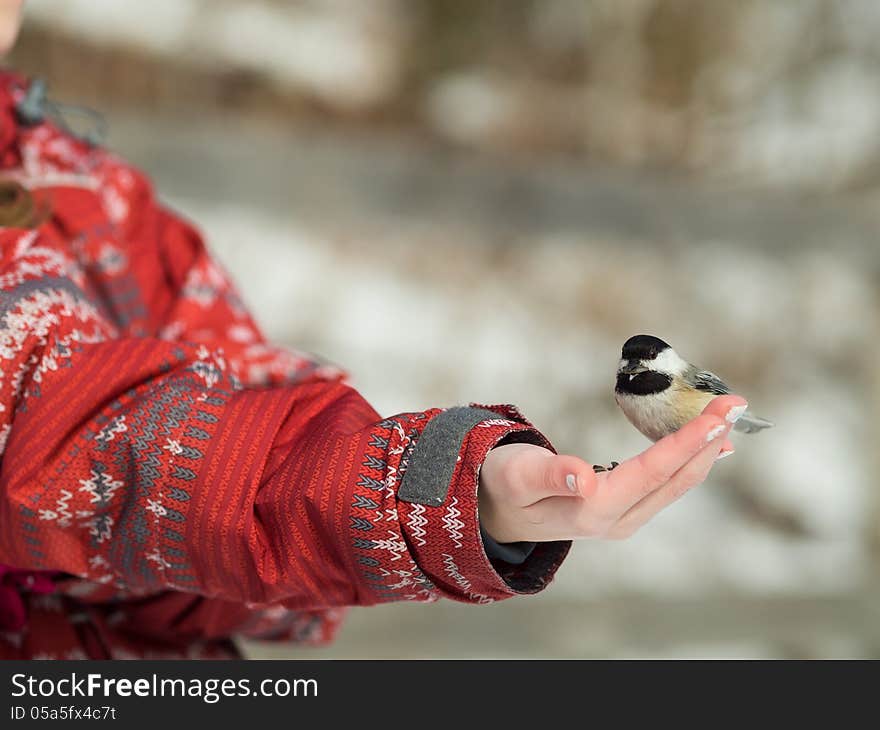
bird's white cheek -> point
(669, 362)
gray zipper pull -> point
(31, 109)
(36, 106)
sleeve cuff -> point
(438, 506)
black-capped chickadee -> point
(659, 392)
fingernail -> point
(715, 432)
(571, 483)
(735, 413)
(724, 454)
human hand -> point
(528, 493)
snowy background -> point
(480, 201)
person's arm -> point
(207, 307)
(516, 480)
(140, 463)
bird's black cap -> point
(643, 347)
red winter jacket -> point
(169, 479)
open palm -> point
(529, 493)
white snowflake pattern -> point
(98, 561)
(207, 371)
(101, 486)
(108, 433)
(198, 288)
(172, 331)
(61, 513)
(173, 446)
(240, 333)
(156, 508)
(155, 556)
(100, 527)
(112, 260)
(115, 204)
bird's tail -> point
(750, 423)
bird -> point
(659, 391)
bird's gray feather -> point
(750, 423)
(704, 380)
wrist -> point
(499, 481)
(512, 553)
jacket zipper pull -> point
(31, 109)
(35, 106)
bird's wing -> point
(711, 383)
(704, 380)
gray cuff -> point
(432, 463)
(515, 553)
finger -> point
(638, 477)
(611, 494)
(556, 476)
(599, 515)
(730, 407)
(635, 478)
(694, 472)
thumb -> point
(565, 476)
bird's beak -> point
(632, 368)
